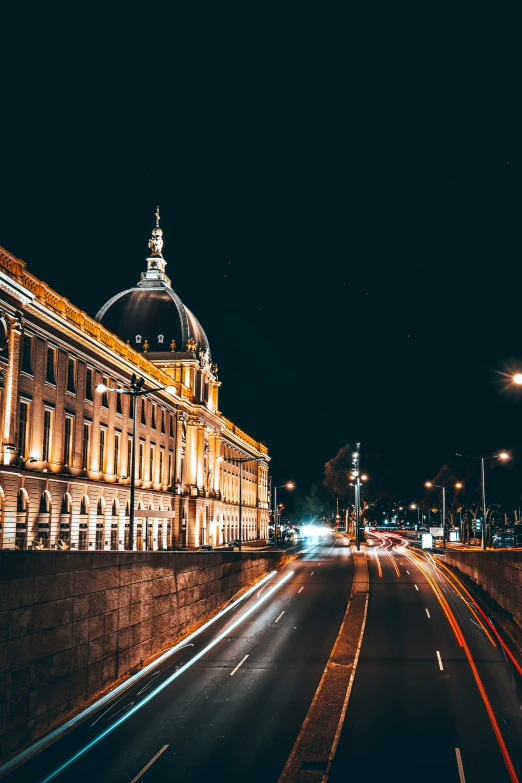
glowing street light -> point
(518, 378)
(503, 456)
(134, 390)
(430, 484)
(241, 461)
(288, 485)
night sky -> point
(340, 199)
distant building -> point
(66, 448)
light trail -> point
(489, 709)
(379, 569)
(167, 682)
(76, 719)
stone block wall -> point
(498, 573)
(73, 622)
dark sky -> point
(340, 196)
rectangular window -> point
(118, 402)
(141, 460)
(170, 480)
(50, 375)
(23, 428)
(162, 462)
(68, 440)
(105, 396)
(153, 416)
(162, 421)
(103, 438)
(143, 413)
(132, 403)
(71, 375)
(86, 446)
(88, 384)
(47, 434)
(129, 455)
(27, 357)
(151, 462)
(171, 426)
(116, 452)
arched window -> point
(161, 338)
(21, 503)
(84, 506)
(66, 504)
(45, 503)
(115, 508)
(101, 507)
(138, 338)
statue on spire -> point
(156, 240)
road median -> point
(315, 747)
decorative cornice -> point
(19, 283)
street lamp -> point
(503, 456)
(413, 506)
(430, 484)
(134, 390)
(288, 485)
(241, 461)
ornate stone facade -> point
(65, 447)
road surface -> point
(236, 711)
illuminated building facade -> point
(66, 448)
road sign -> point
(437, 531)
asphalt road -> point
(231, 705)
(411, 716)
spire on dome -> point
(155, 275)
(156, 240)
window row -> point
(71, 386)
(150, 466)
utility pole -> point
(356, 475)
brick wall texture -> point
(72, 623)
(498, 573)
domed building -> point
(152, 314)
(69, 439)
(152, 319)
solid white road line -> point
(313, 572)
(441, 667)
(302, 588)
(151, 762)
(459, 765)
(416, 587)
(282, 613)
(237, 667)
(408, 573)
(428, 613)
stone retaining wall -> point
(498, 573)
(72, 623)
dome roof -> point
(152, 311)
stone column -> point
(10, 419)
(201, 457)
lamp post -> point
(288, 485)
(503, 456)
(413, 507)
(134, 390)
(430, 484)
(241, 461)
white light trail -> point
(168, 681)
